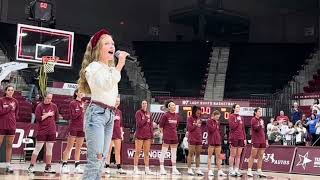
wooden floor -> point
(20, 173)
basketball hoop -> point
(48, 63)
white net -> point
(49, 67)
(49, 63)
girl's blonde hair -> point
(91, 55)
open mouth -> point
(110, 52)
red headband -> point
(95, 38)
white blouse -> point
(103, 82)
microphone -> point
(130, 58)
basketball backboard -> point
(34, 42)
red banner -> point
(307, 161)
(276, 158)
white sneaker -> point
(163, 171)
(9, 169)
(78, 170)
(65, 169)
(190, 172)
(221, 173)
(121, 171)
(148, 172)
(238, 173)
(199, 172)
(249, 173)
(136, 172)
(31, 169)
(108, 171)
(210, 173)
(260, 174)
(232, 173)
(175, 171)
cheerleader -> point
(76, 134)
(117, 137)
(237, 139)
(168, 125)
(9, 108)
(194, 139)
(143, 137)
(259, 142)
(214, 142)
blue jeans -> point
(98, 128)
(33, 88)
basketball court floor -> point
(20, 173)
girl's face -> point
(172, 107)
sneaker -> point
(249, 173)
(30, 169)
(210, 173)
(136, 172)
(121, 171)
(163, 171)
(199, 173)
(175, 171)
(9, 169)
(49, 170)
(232, 173)
(260, 174)
(108, 170)
(65, 169)
(221, 173)
(78, 170)
(238, 173)
(148, 172)
(190, 172)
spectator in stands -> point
(33, 82)
(237, 138)
(194, 140)
(46, 115)
(290, 134)
(76, 133)
(144, 136)
(168, 126)
(282, 117)
(295, 113)
(317, 142)
(316, 105)
(184, 145)
(284, 129)
(117, 137)
(311, 123)
(269, 127)
(275, 136)
(99, 77)
(301, 133)
(9, 109)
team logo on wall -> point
(304, 160)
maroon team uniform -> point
(195, 132)
(169, 122)
(8, 115)
(46, 127)
(117, 125)
(144, 129)
(76, 125)
(258, 135)
(237, 133)
(214, 136)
